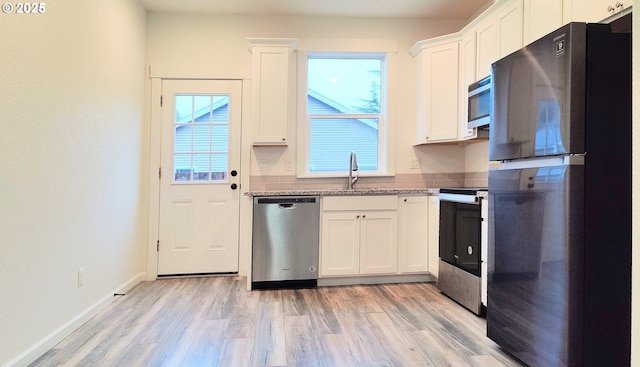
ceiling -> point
(461, 9)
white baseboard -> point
(43, 345)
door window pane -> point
(201, 141)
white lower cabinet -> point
(359, 235)
(413, 234)
(379, 242)
(379, 235)
(434, 235)
(340, 244)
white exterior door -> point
(200, 162)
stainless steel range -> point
(463, 246)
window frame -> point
(385, 149)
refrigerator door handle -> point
(566, 160)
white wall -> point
(72, 188)
(635, 276)
(477, 157)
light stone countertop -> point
(337, 192)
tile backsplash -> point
(417, 180)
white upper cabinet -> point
(509, 22)
(498, 35)
(540, 18)
(594, 10)
(487, 47)
(446, 66)
(273, 74)
(438, 82)
(467, 76)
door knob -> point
(234, 186)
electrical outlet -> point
(415, 163)
(263, 164)
(80, 277)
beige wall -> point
(71, 148)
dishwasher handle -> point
(286, 206)
(287, 200)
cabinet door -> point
(487, 47)
(272, 75)
(509, 23)
(540, 18)
(467, 76)
(412, 239)
(498, 36)
(439, 91)
(340, 243)
(594, 10)
(434, 234)
(379, 242)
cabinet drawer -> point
(382, 202)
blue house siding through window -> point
(331, 140)
(210, 145)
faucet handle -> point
(354, 162)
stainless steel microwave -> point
(479, 104)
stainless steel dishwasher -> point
(285, 242)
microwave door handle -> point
(479, 90)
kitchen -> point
(101, 206)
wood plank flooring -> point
(214, 321)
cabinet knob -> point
(364, 216)
(357, 216)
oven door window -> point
(460, 225)
(468, 237)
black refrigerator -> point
(559, 256)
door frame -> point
(155, 139)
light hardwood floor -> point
(214, 321)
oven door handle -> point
(459, 198)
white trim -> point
(271, 42)
(348, 45)
(155, 143)
(43, 345)
(155, 139)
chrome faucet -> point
(353, 171)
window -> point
(201, 147)
(345, 112)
